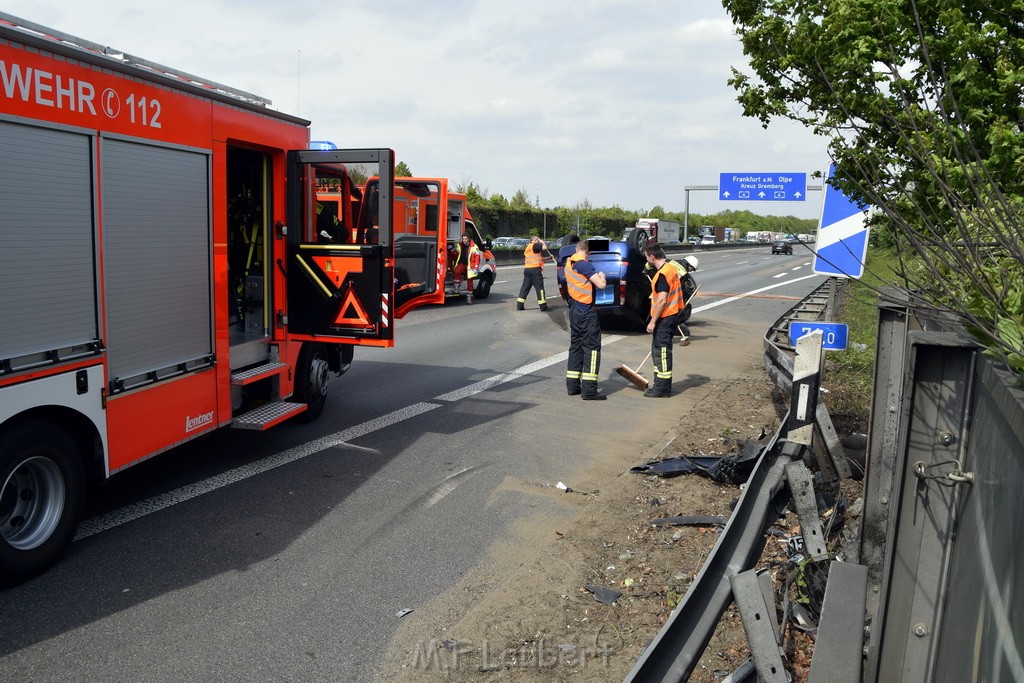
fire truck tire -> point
(42, 493)
(638, 240)
(482, 286)
(311, 375)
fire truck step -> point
(268, 415)
(257, 373)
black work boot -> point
(590, 392)
(572, 387)
(520, 307)
(662, 389)
(543, 307)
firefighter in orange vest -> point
(581, 277)
(666, 303)
(533, 274)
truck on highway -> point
(717, 233)
(651, 230)
(181, 280)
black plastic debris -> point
(673, 467)
(690, 520)
(602, 594)
(734, 468)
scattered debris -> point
(602, 594)
(402, 612)
(563, 487)
(733, 468)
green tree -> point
(402, 170)
(922, 105)
(657, 212)
(520, 201)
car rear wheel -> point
(638, 240)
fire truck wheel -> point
(41, 498)
(482, 286)
(311, 377)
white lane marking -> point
(780, 275)
(796, 268)
(490, 382)
(698, 309)
(156, 503)
(742, 263)
(134, 511)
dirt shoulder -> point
(538, 622)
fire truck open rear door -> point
(340, 267)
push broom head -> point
(634, 378)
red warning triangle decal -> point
(351, 312)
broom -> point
(633, 376)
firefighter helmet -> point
(691, 262)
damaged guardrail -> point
(779, 478)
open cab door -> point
(421, 217)
(340, 269)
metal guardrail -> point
(941, 527)
(936, 594)
(675, 651)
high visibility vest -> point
(473, 262)
(674, 302)
(533, 260)
(580, 288)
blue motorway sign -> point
(762, 187)
(833, 335)
(842, 242)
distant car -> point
(518, 243)
(782, 247)
(693, 239)
(502, 242)
(707, 239)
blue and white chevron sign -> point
(842, 243)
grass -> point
(849, 374)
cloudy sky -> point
(615, 102)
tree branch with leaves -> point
(923, 107)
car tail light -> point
(622, 291)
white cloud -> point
(572, 100)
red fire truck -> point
(424, 244)
(164, 272)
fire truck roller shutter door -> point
(47, 266)
(156, 242)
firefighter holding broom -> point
(666, 303)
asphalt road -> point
(290, 554)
